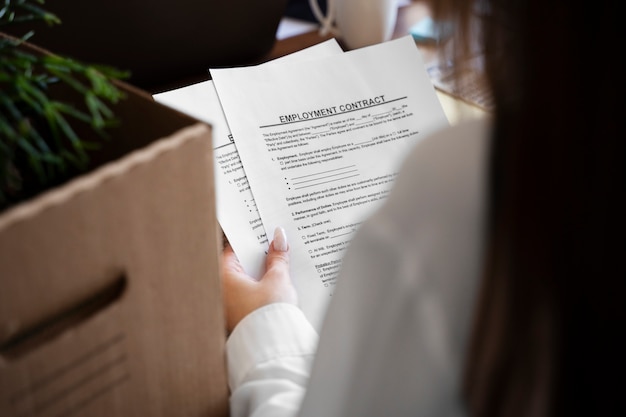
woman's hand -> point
(244, 294)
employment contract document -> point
(321, 142)
(236, 208)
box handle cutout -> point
(37, 335)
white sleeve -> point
(269, 356)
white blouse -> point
(394, 336)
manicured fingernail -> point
(280, 240)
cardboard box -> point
(110, 301)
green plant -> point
(39, 146)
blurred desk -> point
(455, 108)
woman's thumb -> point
(278, 256)
(276, 279)
(280, 240)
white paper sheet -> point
(322, 142)
(236, 207)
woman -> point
(491, 281)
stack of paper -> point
(311, 142)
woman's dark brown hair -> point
(547, 338)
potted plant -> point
(54, 110)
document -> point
(236, 207)
(322, 142)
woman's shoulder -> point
(444, 174)
(437, 207)
(458, 146)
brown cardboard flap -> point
(156, 349)
(43, 231)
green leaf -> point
(71, 135)
(33, 158)
(72, 111)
